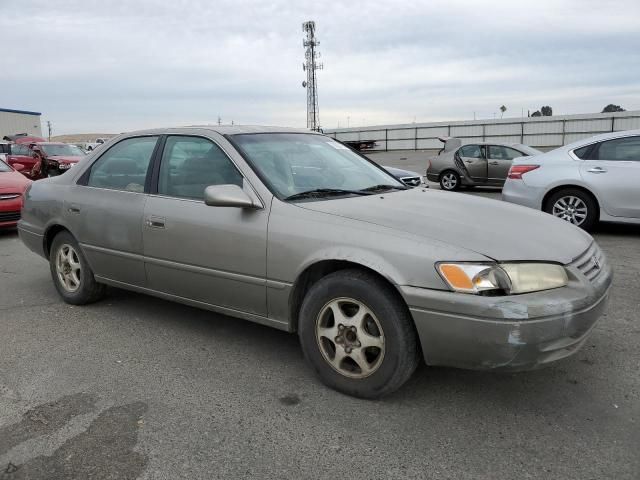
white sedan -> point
(595, 179)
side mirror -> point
(18, 167)
(228, 196)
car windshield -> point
(66, 150)
(4, 167)
(294, 163)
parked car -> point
(474, 164)
(371, 274)
(90, 146)
(5, 149)
(590, 180)
(12, 188)
(23, 138)
(44, 159)
(409, 178)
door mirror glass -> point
(227, 196)
(18, 167)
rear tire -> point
(450, 180)
(357, 334)
(71, 273)
(574, 206)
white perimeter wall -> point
(539, 132)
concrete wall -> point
(17, 121)
(540, 132)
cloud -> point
(90, 65)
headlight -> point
(532, 277)
(502, 279)
(64, 166)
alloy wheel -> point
(350, 337)
(68, 268)
(570, 208)
(449, 181)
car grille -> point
(591, 262)
(411, 181)
(9, 216)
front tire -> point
(71, 273)
(358, 335)
(450, 181)
(574, 206)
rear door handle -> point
(155, 222)
(597, 170)
(494, 163)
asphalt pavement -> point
(137, 387)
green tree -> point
(536, 114)
(546, 111)
(502, 110)
(613, 108)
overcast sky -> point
(115, 65)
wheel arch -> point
(320, 269)
(571, 186)
(49, 234)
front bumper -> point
(517, 332)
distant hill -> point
(81, 137)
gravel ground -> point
(137, 387)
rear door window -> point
(124, 166)
(471, 151)
(620, 149)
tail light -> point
(516, 171)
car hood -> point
(13, 182)
(399, 172)
(64, 158)
(498, 230)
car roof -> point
(222, 129)
(503, 144)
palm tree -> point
(502, 110)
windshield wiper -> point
(321, 192)
(376, 188)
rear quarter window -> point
(583, 152)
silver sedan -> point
(594, 179)
(293, 230)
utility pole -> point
(219, 120)
(49, 127)
(310, 66)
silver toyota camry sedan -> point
(293, 230)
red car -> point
(12, 188)
(43, 159)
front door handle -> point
(469, 161)
(73, 209)
(597, 170)
(155, 222)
